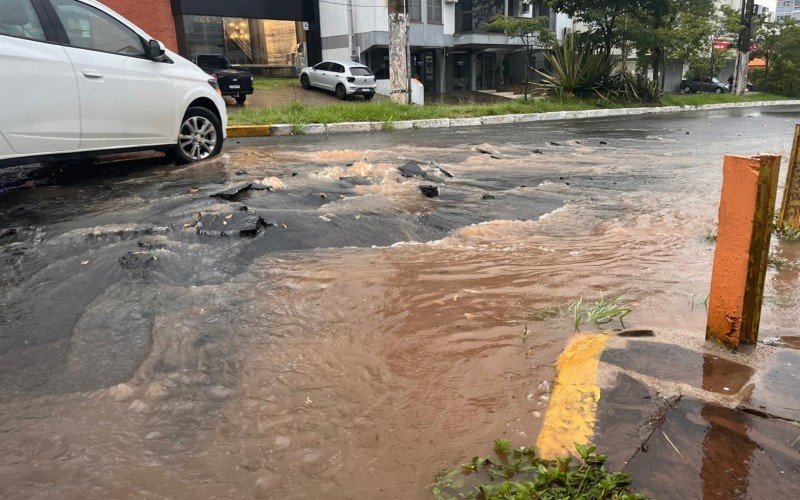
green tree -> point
(668, 29)
(604, 17)
(721, 28)
(767, 43)
(532, 32)
(785, 70)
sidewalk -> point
(688, 419)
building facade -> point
(788, 9)
(275, 36)
(450, 49)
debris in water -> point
(412, 169)
(603, 143)
(429, 191)
(238, 223)
(555, 143)
(136, 260)
(636, 333)
(441, 169)
(492, 153)
(193, 190)
(241, 172)
(489, 197)
(7, 232)
(324, 218)
(85, 263)
(234, 193)
(323, 195)
(537, 152)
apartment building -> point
(450, 49)
(788, 9)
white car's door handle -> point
(91, 73)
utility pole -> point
(745, 42)
(398, 52)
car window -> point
(90, 28)
(323, 66)
(17, 18)
(358, 71)
(212, 62)
(337, 68)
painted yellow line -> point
(572, 413)
(248, 131)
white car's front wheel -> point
(200, 136)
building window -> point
(243, 41)
(434, 11)
(415, 10)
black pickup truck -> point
(234, 82)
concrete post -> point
(749, 189)
(790, 208)
(398, 43)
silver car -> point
(344, 78)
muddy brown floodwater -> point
(367, 336)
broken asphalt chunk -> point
(412, 169)
(238, 223)
(235, 192)
(442, 170)
(429, 191)
(136, 260)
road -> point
(296, 319)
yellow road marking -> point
(572, 413)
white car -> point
(344, 78)
(78, 79)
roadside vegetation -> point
(521, 474)
(388, 112)
(598, 313)
(274, 82)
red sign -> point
(721, 45)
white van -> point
(78, 79)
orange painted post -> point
(790, 208)
(749, 189)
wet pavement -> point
(297, 319)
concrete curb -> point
(368, 127)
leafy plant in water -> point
(778, 262)
(502, 445)
(599, 313)
(522, 474)
(789, 232)
(710, 236)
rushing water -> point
(365, 339)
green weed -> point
(789, 233)
(778, 262)
(502, 445)
(710, 237)
(523, 475)
(598, 313)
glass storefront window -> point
(243, 41)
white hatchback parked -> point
(76, 78)
(343, 78)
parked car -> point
(233, 81)
(78, 79)
(694, 85)
(344, 78)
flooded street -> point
(296, 319)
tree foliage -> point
(532, 32)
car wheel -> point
(368, 97)
(341, 92)
(305, 82)
(240, 98)
(717, 90)
(687, 90)
(200, 136)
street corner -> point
(678, 407)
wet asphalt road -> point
(95, 255)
